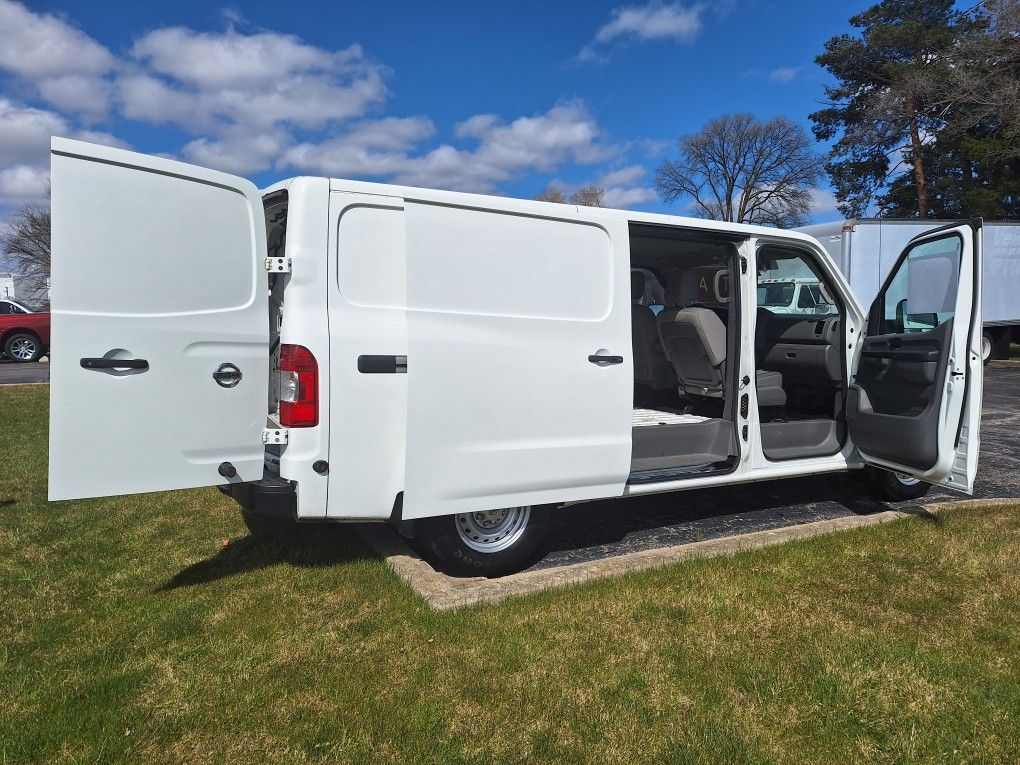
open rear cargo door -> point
(160, 336)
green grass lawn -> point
(132, 631)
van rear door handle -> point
(102, 363)
(604, 361)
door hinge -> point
(278, 265)
(275, 435)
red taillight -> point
(299, 387)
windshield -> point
(775, 294)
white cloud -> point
(784, 74)
(25, 132)
(237, 150)
(652, 21)
(625, 176)
(623, 187)
(23, 183)
(65, 65)
(823, 202)
(38, 47)
(202, 81)
(504, 150)
(25, 148)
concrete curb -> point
(444, 592)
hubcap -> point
(490, 531)
(906, 480)
(986, 347)
(23, 349)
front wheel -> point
(895, 487)
(485, 543)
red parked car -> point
(24, 333)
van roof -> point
(556, 209)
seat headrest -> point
(637, 285)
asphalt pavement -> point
(12, 373)
(616, 527)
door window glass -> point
(922, 293)
(5, 308)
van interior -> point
(799, 335)
(685, 334)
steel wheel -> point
(986, 347)
(907, 480)
(23, 348)
(490, 531)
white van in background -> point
(459, 365)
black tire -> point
(895, 487)
(441, 540)
(263, 525)
(21, 343)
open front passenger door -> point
(160, 329)
(914, 402)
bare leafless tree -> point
(26, 246)
(740, 169)
(589, 195)
(552, 193)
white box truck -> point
(459, 365)
(865, 250)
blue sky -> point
(491, 97)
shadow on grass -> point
(312, 545)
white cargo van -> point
(458, 365)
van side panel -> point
(367, 294)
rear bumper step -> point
(269, 496)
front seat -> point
(695, 342)
(651, 367)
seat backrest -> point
(651, 367)
(694, 340)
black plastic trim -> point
(104, 363)
(268, 496)
(382, 365)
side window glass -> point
(922, 293)
(5, 307)
(788, 283)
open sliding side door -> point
(914, 403)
